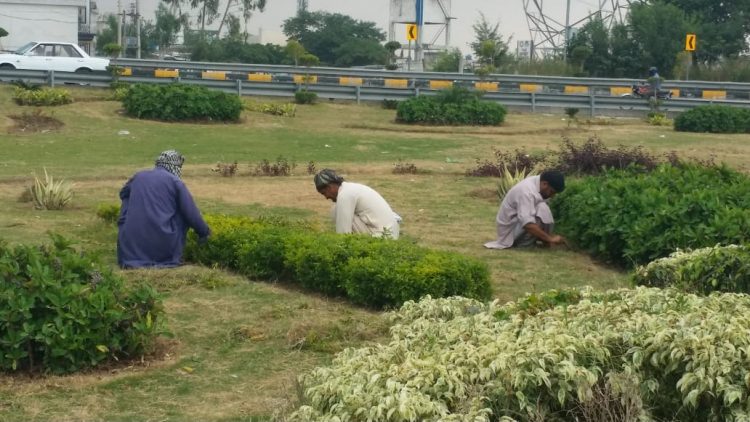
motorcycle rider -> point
(654, 81)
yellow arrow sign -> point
(411, 32)
(690, 41)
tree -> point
(448, 61)
(247, 6)
(391, 47)
(590, 49)
(208, 10)
(359, 52)
(489, 45)
(294, 50)
(107, 34)
(323, 34)
(166, 28)
(659, 30)
(3, 32)
(308, 60)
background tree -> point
(294, 50)
(328, 36)
(107, 34)
(659, 30)
(391, 47)
(247, 7)
(448, 61)
(308, 60)
(488, 44)
(166, 28)
(590, 49)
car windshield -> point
(25, 48)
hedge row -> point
(626, 355)
(41, 96)
(631, 218)
(175, 102)
(61, 312)
(705, 270)
(714, 119)
(369, 271)
(456, 106)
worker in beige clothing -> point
(524, 218)
(357, 208)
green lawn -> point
(238, 345)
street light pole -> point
(138, 30)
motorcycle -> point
(645, 91)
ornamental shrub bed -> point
(369, 271)
(176, 102)
(705, 270)
(455, 106)
(630, 218)
(41, 96)
(714, 119)
(627, 355)
(61, 312)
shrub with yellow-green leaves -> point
(705, 270)
(286, 109)
(375, 272)
(624, 355)
(41, 96)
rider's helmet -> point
(652, 71)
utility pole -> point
(138, 30)
(567, 32)
(120, 17)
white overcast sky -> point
(509, 13)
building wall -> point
(39, 20)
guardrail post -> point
(358, 92)
(51, 78)
(416, 91)
(239, 87)
(533, 102)
(592, 105)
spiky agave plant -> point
(49, 194)
(509, 178)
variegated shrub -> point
(626, 355)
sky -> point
(508, 13)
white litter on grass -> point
(327, 146)
(123, 132)
(662, 136)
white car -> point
(58, 56)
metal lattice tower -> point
(301, 6)
(433, 19)
(550, 34)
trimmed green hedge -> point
(42, 96)
(176, 102)
(456, 106)
(369, 271)
(61, 312)
(631, 218)
(706, 270)
(714, 119)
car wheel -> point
(83, 70)
(7, 66)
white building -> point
(45, 20)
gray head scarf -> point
(171, 161)
(325, 177)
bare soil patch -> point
(34, 122)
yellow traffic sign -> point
(690, 41)
(411, 32)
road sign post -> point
(690, 43)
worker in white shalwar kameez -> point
(524, 218)
(357, 208)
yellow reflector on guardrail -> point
(675, 93)
(301, 79)
(530, 88)
(166, 73)
(714, 95)
(576, 89)
(215, 75)
(440, 84)
(487, 86)
(350, 81)
(126, 71)
(260, 77)
(619, 91)
(396, 83)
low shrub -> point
(390, 104)
(178, 102)
(62, 312)
(650, 354)
(110, 213)
(369, 271)
(714, 119)
(403, 167)
(515, 162)
(455, 106)
(49, 194)
(702, 271)
(226, 169)
(286, 110)
(658, 119)
(42, 96)
(305, 97)
(629, 217)
(282, 167)
(593, 157)
(311, 168)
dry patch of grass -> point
(34, 122)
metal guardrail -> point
(530, 101)
(386, 74)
